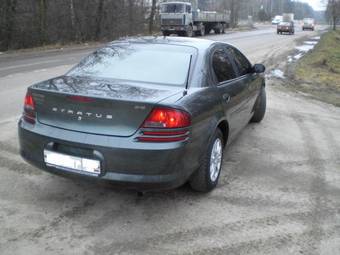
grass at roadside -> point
(318, 73)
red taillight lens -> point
(29, 109)
(167, 118)
(165, 125)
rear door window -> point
(242, 63)
(222, 66)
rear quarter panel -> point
(205, 108)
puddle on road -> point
(276, 73)
(298, 56)
(305, 48)
(317, 38)
(300, 51)
(311, 42)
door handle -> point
(226, 98)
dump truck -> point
(184, 18)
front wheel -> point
(206, 177)
(260, 107)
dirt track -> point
(279, 191)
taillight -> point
(165, 125)
(29, 114)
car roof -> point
(200, 44)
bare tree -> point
(152, 16)
(99, 18)
(333, 12)
(9, 18)
(42, 20)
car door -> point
(249, 79)
(232, 91)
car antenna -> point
(185, 92)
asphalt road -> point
(279, 191)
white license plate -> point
(60, 160)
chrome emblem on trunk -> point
(82, 115)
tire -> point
(206, 178)
(166, 33)
(190, 31)
(201, 32)
(217, 31)
(260, 107)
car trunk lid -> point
(97, 107)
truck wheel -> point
(223, 29)
(166, 33)
(260, 107)
(207, 30)
(190, 31)
(217, 31)
(206, 177)
(202, 31)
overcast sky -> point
(316, 4)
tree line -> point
(333, 12)
(31, 23)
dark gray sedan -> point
(147, 113)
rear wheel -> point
(166, 33)
(260, 107)
(201, 32)
(206, 177)
(218, 29)
(190, 31)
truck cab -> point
(176, 17)
(185, 19)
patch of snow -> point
(316, 38)
(298, 56)
(311, 42)
(1, 53)
(290, 59)
(278, 73)
(305, 48)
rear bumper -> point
(285, 30)
(132, 165)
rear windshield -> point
(147, 63)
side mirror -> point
(259, 68)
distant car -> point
(277, 20)
(286, 27)
(147, 113)
(308, 24)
